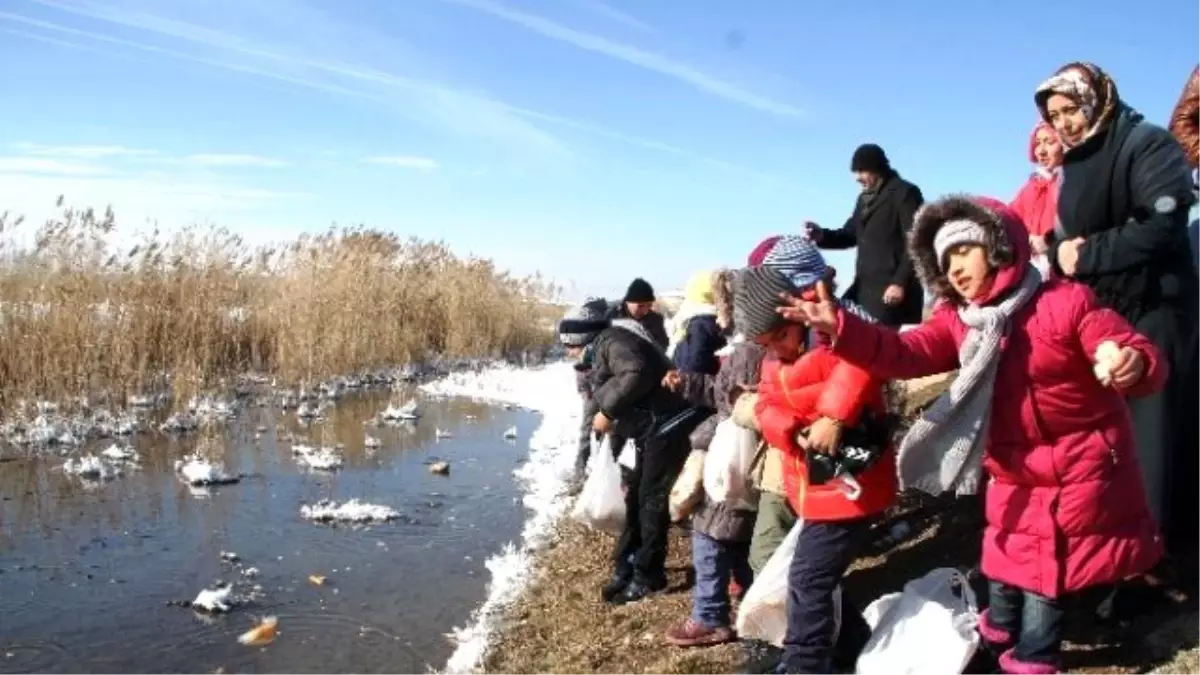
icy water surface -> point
(89, 572)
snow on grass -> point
(550, 391)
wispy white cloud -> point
(319, 64)
(304, 57)
(81, 151)
(635, 56)
(153, 186)
(405, 162)
(233, 160)
(44, 165)
(601, 8)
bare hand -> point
(821, 315)
(824, 436)
(672, 380)
(893, 295)
(601, 424)
(1038, 244)
(1068, 256)
(1128, 368)
(813, 231)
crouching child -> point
(828, 417)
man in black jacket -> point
(628, 367)
(884, 281)
(638, 304)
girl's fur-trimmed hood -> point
(997, 219)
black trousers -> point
(641, 550)
(823, 553)
(1165, 426)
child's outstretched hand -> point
(1119, 367)
(820, 315)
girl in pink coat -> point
(1037, 202)
(1038, 402)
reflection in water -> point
(90, 570)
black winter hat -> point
(870, 157)
(640, 291)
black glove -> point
(860, 448)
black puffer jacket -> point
(653, 322)
(627, 372)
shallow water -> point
(88, 571)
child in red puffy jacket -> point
(812, 402)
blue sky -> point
(591, 140)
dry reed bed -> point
(82, 314)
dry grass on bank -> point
(560, 625)
(81, 315)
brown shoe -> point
(692, 634)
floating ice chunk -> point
(93, 467)
(352, 511)
(197, 471)
(408, 411)
(120, 453)
(216, 600)
(372, 442)
(322, 459)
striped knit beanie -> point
(756, 292)
(794, 256)
(581, 325)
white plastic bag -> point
(727, 468)
(927, 628)
(628, 456)
(688, 490)
(763, 612)
(601, 503)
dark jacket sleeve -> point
(654, 324)
(698, 389)
(629, 378)
(582, 381)
(698, 351)
(1160, 193)
(906, 211)
(845, 236)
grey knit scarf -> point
(944, 448)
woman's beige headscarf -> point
(1089, 86)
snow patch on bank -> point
(550, 391)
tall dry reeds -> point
(80, 315)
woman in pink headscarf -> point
(1037, 202)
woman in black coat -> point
(1122, 211)
(884, 282)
